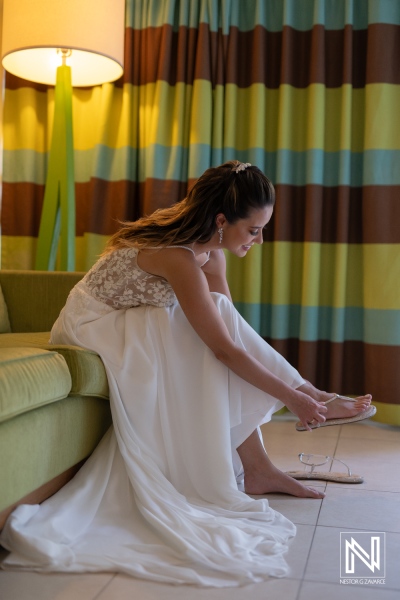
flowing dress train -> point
(159, 497)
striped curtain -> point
(308, 90)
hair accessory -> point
(241, 167)
(221, 234)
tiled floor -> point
(372, 450)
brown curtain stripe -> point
(350, 366)
(103, 204)
(317, 214)
(25, 220)
(100, 204)
(335, 214)
(13, 82)
(298, 58)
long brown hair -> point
(233, 189)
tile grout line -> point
(336, 445)
(105, 587)
(309, 552)
(314, 532)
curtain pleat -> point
(309, 91)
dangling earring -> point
(221, 234)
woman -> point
(190, 383)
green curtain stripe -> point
(317, 274)
(271, 14)
(312, 323)
(24, 166)
(345, 168)
(312, 118)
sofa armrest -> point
(35, 298)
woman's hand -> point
(306, 408)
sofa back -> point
(34, 299)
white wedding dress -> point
(160, 498)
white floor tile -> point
(301, 511)
(17, 585)
(329, 591)
(369, 430)
(126, 588)
(299, 551)
(377, 460)
(324, 560)
(358, 509)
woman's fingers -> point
(317, 415)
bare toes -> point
(315, 493)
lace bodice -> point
(117, 280)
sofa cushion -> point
(31, 377)
(86, 367)
(42, 443)
(4, 320)
(35, 298)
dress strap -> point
(191, 250)
(186, 248)
(207, 259)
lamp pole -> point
(58, 213)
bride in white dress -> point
(162, 497)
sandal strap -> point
(331, 458)
(339, 397)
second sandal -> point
(316, 460)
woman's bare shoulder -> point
(160, 261)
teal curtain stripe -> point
(381, 11)
(312, 323)
(272, 14)
(319, 167)
(373, 167)
(381, 166)
(103, 162)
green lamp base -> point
(57, 222)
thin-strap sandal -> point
(366, 414)
(317, 460)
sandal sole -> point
(335, 477)
(360, 417)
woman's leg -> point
(262, 477)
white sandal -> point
(366, 414)
(317, 460)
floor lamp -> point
(66, 43)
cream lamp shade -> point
(33, 31)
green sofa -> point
(54, 406)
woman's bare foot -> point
(262, 477)
(272, 480)
(340, 407)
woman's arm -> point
(215, 272)
(190, 285)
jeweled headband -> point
(241, 167)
